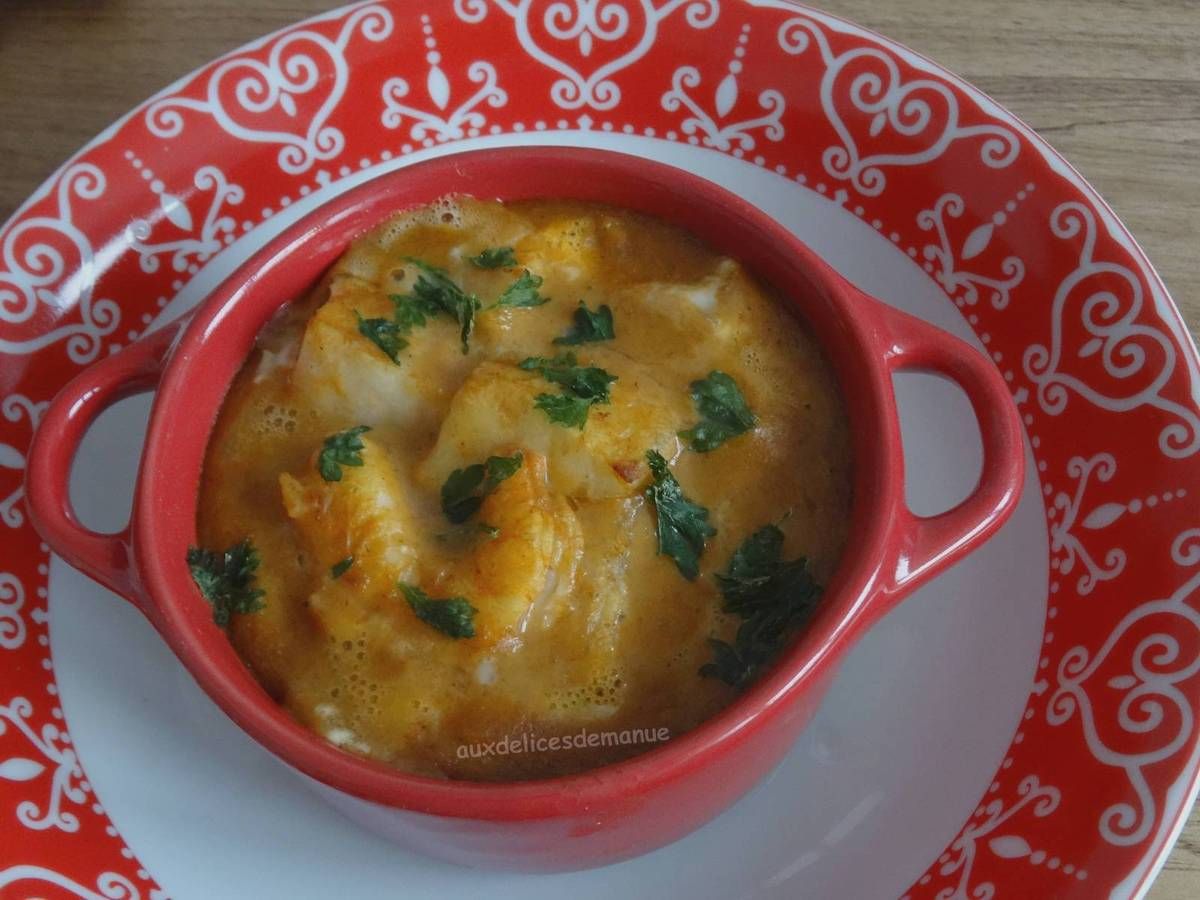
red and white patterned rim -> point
(1096, 781)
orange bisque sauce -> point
(580, 624)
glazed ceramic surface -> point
(1022, 726)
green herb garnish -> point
(340, 568)
(564, 409)
(453, 616)
(589, 326)
(523, 292)
(588, 382)
(582, 387)
(435, 289)
(384, 334)
(464, 490)
(771, 597)
(436, 293)
(227, 579)
(682, 524)
(412, 312)
(388, 334)
(723, 410)
(341, 449)
(495, 258)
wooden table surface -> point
(1113, 84)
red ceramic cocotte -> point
(612, 812)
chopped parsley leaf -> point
(340, 568)
(586, 382)
(582, 386)
(771, 597)
(589, 326)
(495, 258)
(384, 334)
(436, 293)
(341, 449)
(563, 409)
(464, 490)
(412, 312)
(453, 616)
(682, 525)
(435, 289)
(523, 292)
(724, 413)
(727, 664)
(388, 334)
(227, 579)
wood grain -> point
(1113, 84)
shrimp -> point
(368, 517)
(606, 459)
(363, 517)
(514, 578)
